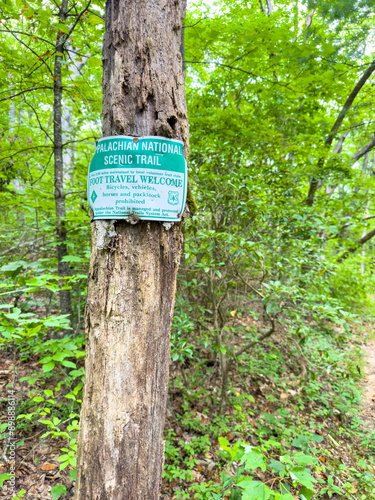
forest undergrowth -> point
(292, 426)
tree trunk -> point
(63, 267)
(269, 7)
(68, 133)
(133, 268)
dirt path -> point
(369, 385)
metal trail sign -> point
(146, 176)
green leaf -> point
(302, 459)
(60, 356)
(300, 442)
(277, 466)
(57, 491)
(69, 364)
(13, 268)
(47, 367)
(285, 488)
(253, 459)
(95, 20)
(224, 444)
(302, 476)
(4, 477)
(254, 490)
(63, 28)
(70, 346)
(73, 258)
(306, 494)
(316, 438)
(21, 494)
(46, 422)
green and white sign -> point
(146, 176)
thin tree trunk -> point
(262, 6)
(12, 128)
(68, 133)
(226, 365)
(314, 184)
(133, 268)
(269, 7)
(363, 246)
(63, 267)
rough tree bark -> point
(63, 267)
(133, 268)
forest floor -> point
(278, 394)
(369, 385)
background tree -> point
(42, 45)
